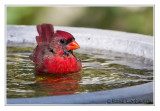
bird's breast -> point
(60, 65)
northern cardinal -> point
(54, 51)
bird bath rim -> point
(135, 44)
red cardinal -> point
(53, 53)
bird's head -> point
(63, 43)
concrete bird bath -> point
(121, 42)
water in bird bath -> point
(102, 70)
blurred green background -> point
(127, 19)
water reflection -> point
(58, 84)
(102, 70)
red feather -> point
(45, 32)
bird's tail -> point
(46, 32)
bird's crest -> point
(46, 32)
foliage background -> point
(127, 19)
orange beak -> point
(73, 45)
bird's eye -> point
(62, 41)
